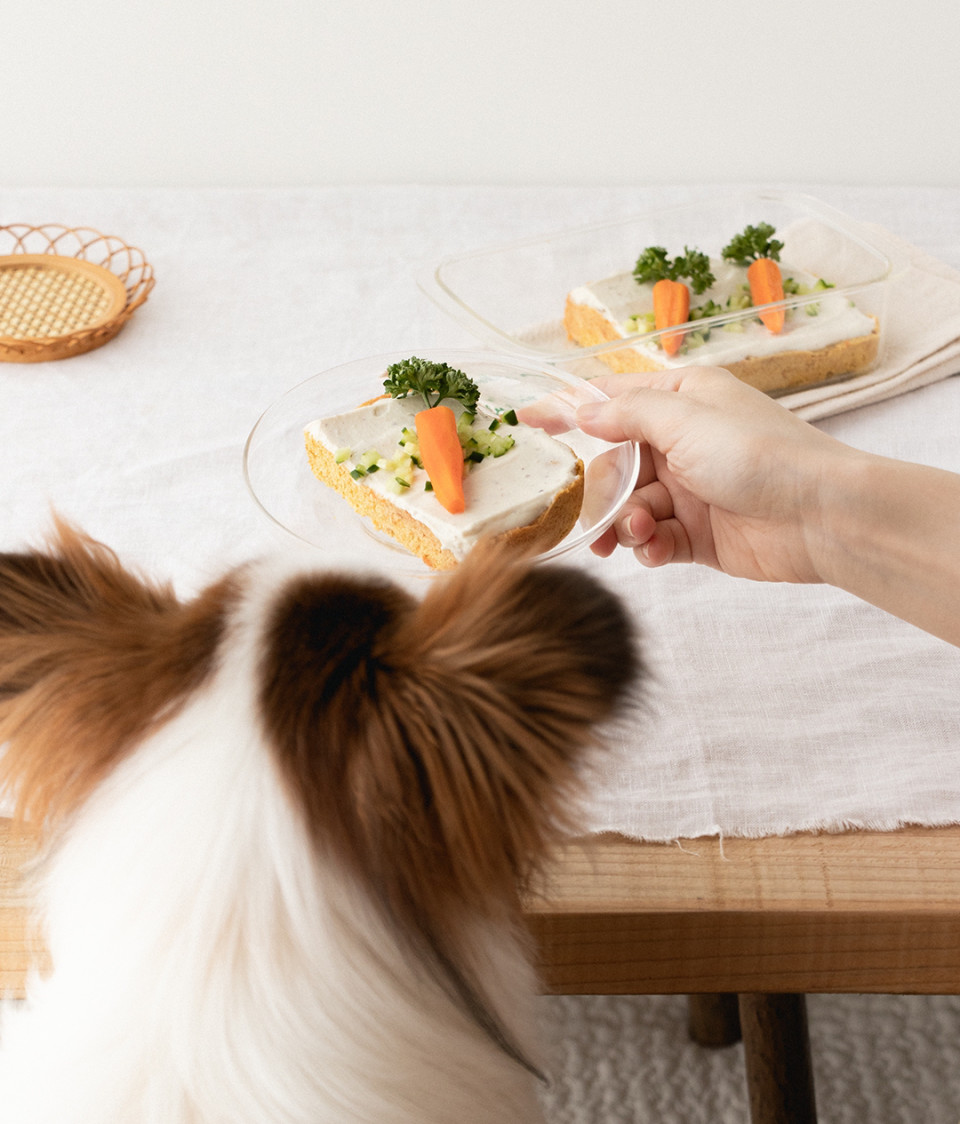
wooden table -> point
(764, 920)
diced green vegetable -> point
(643, 322)
(695, 339)
(702, 311)
(740, 299)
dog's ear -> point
(435, 746)
(515, 664)
(90, 656)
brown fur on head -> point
(91, 657)
(431, 748)
(435, 745)
(446, 732)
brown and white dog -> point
(287, 823)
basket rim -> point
(137, 278)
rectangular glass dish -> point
(570, 298)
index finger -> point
(692, 379)
(613, 385)
(643, 414)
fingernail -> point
(589, 412)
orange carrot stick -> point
(442, 455)
(671, 305)
(766, 286)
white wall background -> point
(305, 92)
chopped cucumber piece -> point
(695, 339)
(818, 287)
(740, 299)
(342, 455)
(478, 442)
(408, 442)
(701, 311)
(369, 458)
(643, 322)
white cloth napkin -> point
(921, 329)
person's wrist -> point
(839, 527)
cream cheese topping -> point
(620, 297)
(501, 492)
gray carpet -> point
(877, 1060)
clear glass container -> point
(279, 478)
(513, 297)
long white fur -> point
(208, 970)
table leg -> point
(713, 1020)
(776, 1046)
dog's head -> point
(439, 736)
(430, 747)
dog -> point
(287, 825)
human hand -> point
(728, 477)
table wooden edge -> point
(857, 911)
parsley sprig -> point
(432, 381)
(654, 265)
(752, 243)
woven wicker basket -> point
(65, 290)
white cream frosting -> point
(500, 492)
(620, 297)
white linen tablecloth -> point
(771, 708)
